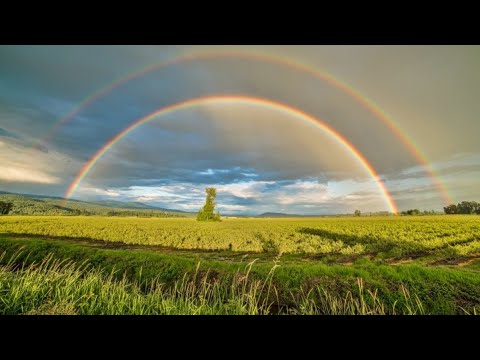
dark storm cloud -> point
(10, 134)
(73, 71)
(107, 116)
(197, 142)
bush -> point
(5, 207)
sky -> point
(260, 158)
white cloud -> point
(233, 208)
(20, 162)
(14, 173)
(302, 196)
(91, 192)
(244, 189)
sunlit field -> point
(383, 237)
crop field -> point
(329, 265)
(384, 237)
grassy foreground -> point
(85, 279)
(75, 289)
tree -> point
(467, 207)
(357, 213)
(5, 207)
(206, 213)
(411, 212)
(450, 209)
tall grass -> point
(319, 301)
(64, 287)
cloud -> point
(14, 168)
(457, 173)
(21, 164)
(10, 134)
(14, 173)
(252, 197)
(108, 193)
(225, 146)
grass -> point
(294, 288)
(77, 289)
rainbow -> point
(222, 99)
(363, 100)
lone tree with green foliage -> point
(5, 207)
(206, 213)
(357, 213)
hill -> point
(274, 214)
(133, 205)
(28, 204)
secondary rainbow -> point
(219, 99)
(281, 60)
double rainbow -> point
(225, 99)
(363, 100)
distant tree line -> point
(418, 212)
(363, 214)
(406, 213)
(147, 213)
(465, 207)
(78, 212)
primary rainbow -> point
(363, 100)
(218, 99)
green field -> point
(387, 237)
(401, 265)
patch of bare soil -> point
(459, 261)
